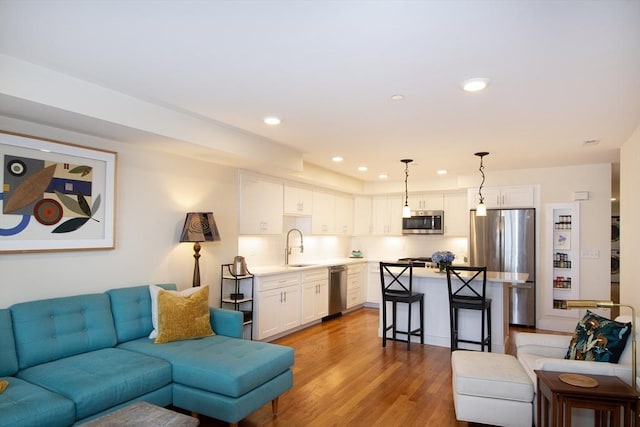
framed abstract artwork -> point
(55, 196)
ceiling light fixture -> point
(475, 84)
(363, 168)
(406, 210)
(442, 172)
(337, 159)
(383, 176)
(481, 210)
(272, 121)
(397, 97)
(591, 142)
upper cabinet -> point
(387, 215)
(332, 213)
(297, 200)
(362, 215)
(323, 217)
(343, 214)
(522, 196)
(261, 201)
(456, 214)
(426, 201)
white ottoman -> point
(491, 388)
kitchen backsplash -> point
(269, 250)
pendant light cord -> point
(481, 155)
(406, 189)
(406, 178)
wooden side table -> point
(606, 399)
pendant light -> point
(481, 210)
(406, 210)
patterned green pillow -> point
(598, 339)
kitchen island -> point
(436, 309)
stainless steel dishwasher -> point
(337, 291)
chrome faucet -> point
(287, 249)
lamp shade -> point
(199, 227)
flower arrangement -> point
(442, 258)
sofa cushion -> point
(52, 329)
(219, 364)
(598, 339)
(154, 290)
(100, 379)
(8, 358)
(24, 404)
(132, 311)
(183, 317)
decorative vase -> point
(442, 267)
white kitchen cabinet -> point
(362, 215)
(261, 201)
(522, 196)
(387, 215)
(456, 215)
(323, 217)
(426, 201)
(278, 304)
(315, 294)
(355, 284)
(297, 200)
(343, 214)
(332, 213)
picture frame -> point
(562, 239)
(55, 196)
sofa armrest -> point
(545, 345)
(226, 322)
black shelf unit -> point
(237, 284)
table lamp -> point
(199, 227)
(584, 303)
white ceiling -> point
(561, 72)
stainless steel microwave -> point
(424, 222)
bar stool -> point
(396, 279)
(464, 296)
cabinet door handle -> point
(285, 296)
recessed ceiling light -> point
(383, 176)
(441, 172)
(363, 168)
(475, 84)
(591, 142)
(397, 97)
(272, 121)
(337, 158)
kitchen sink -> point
(300, 265)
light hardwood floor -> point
(343, 377)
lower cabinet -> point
(278, 310)
(315, 301)
(355, 285)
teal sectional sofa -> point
(72, 359)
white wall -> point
(629, 223)
(153, 193)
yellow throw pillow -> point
(183, 317)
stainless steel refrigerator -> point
(505, 240)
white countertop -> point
(306, 265)
(492, 276)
